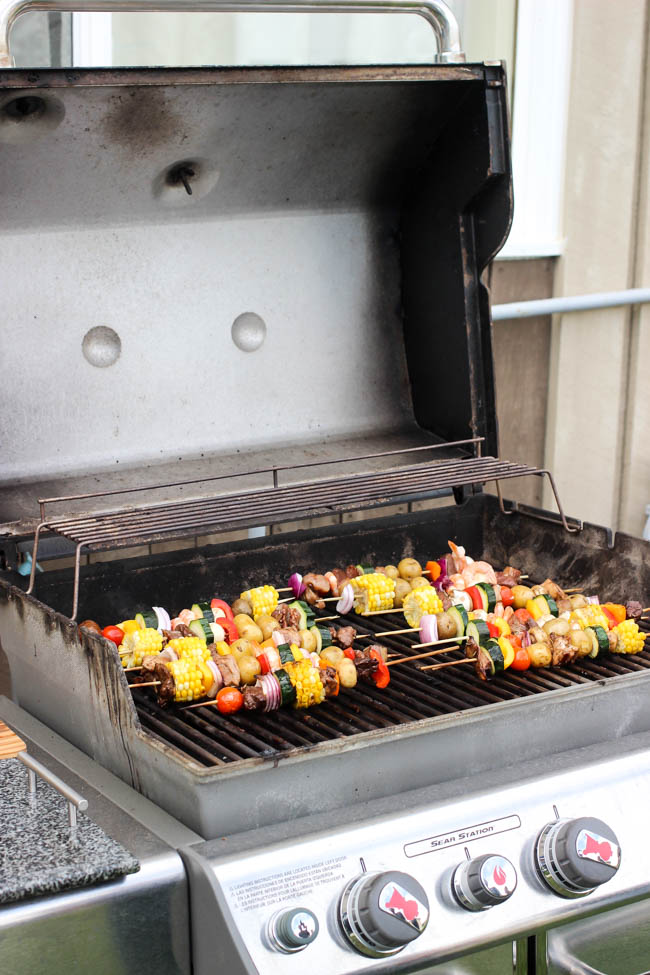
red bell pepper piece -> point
(474, 594)
(381, 676)
(222, 604)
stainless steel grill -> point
(210, 739)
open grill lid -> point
(339, 221)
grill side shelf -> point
(118, 528)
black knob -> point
(483, 882)
(380, 913)
(574, 856)
(293, 930)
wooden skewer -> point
(381, 612)
(285, 589)
(324, 619)
(420, 656)
(575, 589)
(203, 704)
(449, 663)
(368, 636)
(148, 683)
(436, 643)
(646, 609)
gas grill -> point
(306, 333)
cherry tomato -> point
(474, 594)
(506, 596)
(223, 605)
(113, 633)
(349, 653)
(523, 615)
(381, 676)
(522, 660)
(91, 625)
(231, 632)
(229, 700)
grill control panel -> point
(409, 889)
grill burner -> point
(210, 738)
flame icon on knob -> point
(499, 876)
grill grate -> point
(212, 739)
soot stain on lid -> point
(141, 118)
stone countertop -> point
(39, 853)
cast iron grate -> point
(212, 739)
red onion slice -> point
(346, 602)
(164, 622)
(218, 679)
(594, 600)
(295, 583)
(428, 628)
(272, 692)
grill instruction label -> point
(465, 835)
(286, 885)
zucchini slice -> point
(479, 632)
(496, 656)
(307, 616)
(202, 629)
(552, 606)
(489, 594)
(287, 689)
(601, 638)
(461, 619)
(286, 653)
(147, 619)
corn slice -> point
(372, 592)
(263, 600)
(421, 601)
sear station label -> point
(465, 835)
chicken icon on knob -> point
(381, 913)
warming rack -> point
(117, 528)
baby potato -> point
(244, 647)
(540, 654)
(241, 619)
(521, 595)
(409, 569)
(251, 631)
(581, 641)
(333, 656)
(557, 626)
(267, 624)
(308, 641)
(419, 582)
(402, 589)
(242, 606)
(347, 672)
(249, 668)
(391, 571)
(446, 626)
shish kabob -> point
(279, 657)
(504, 623)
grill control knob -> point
(483, 882)
(574, 856)
(293, 930)
(380, 913)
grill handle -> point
(436, 13)
(562, 962)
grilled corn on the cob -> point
(263, 600)
(372, 592)
(421, 601)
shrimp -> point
(479, 572)
(457, 581)
(461, 561)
